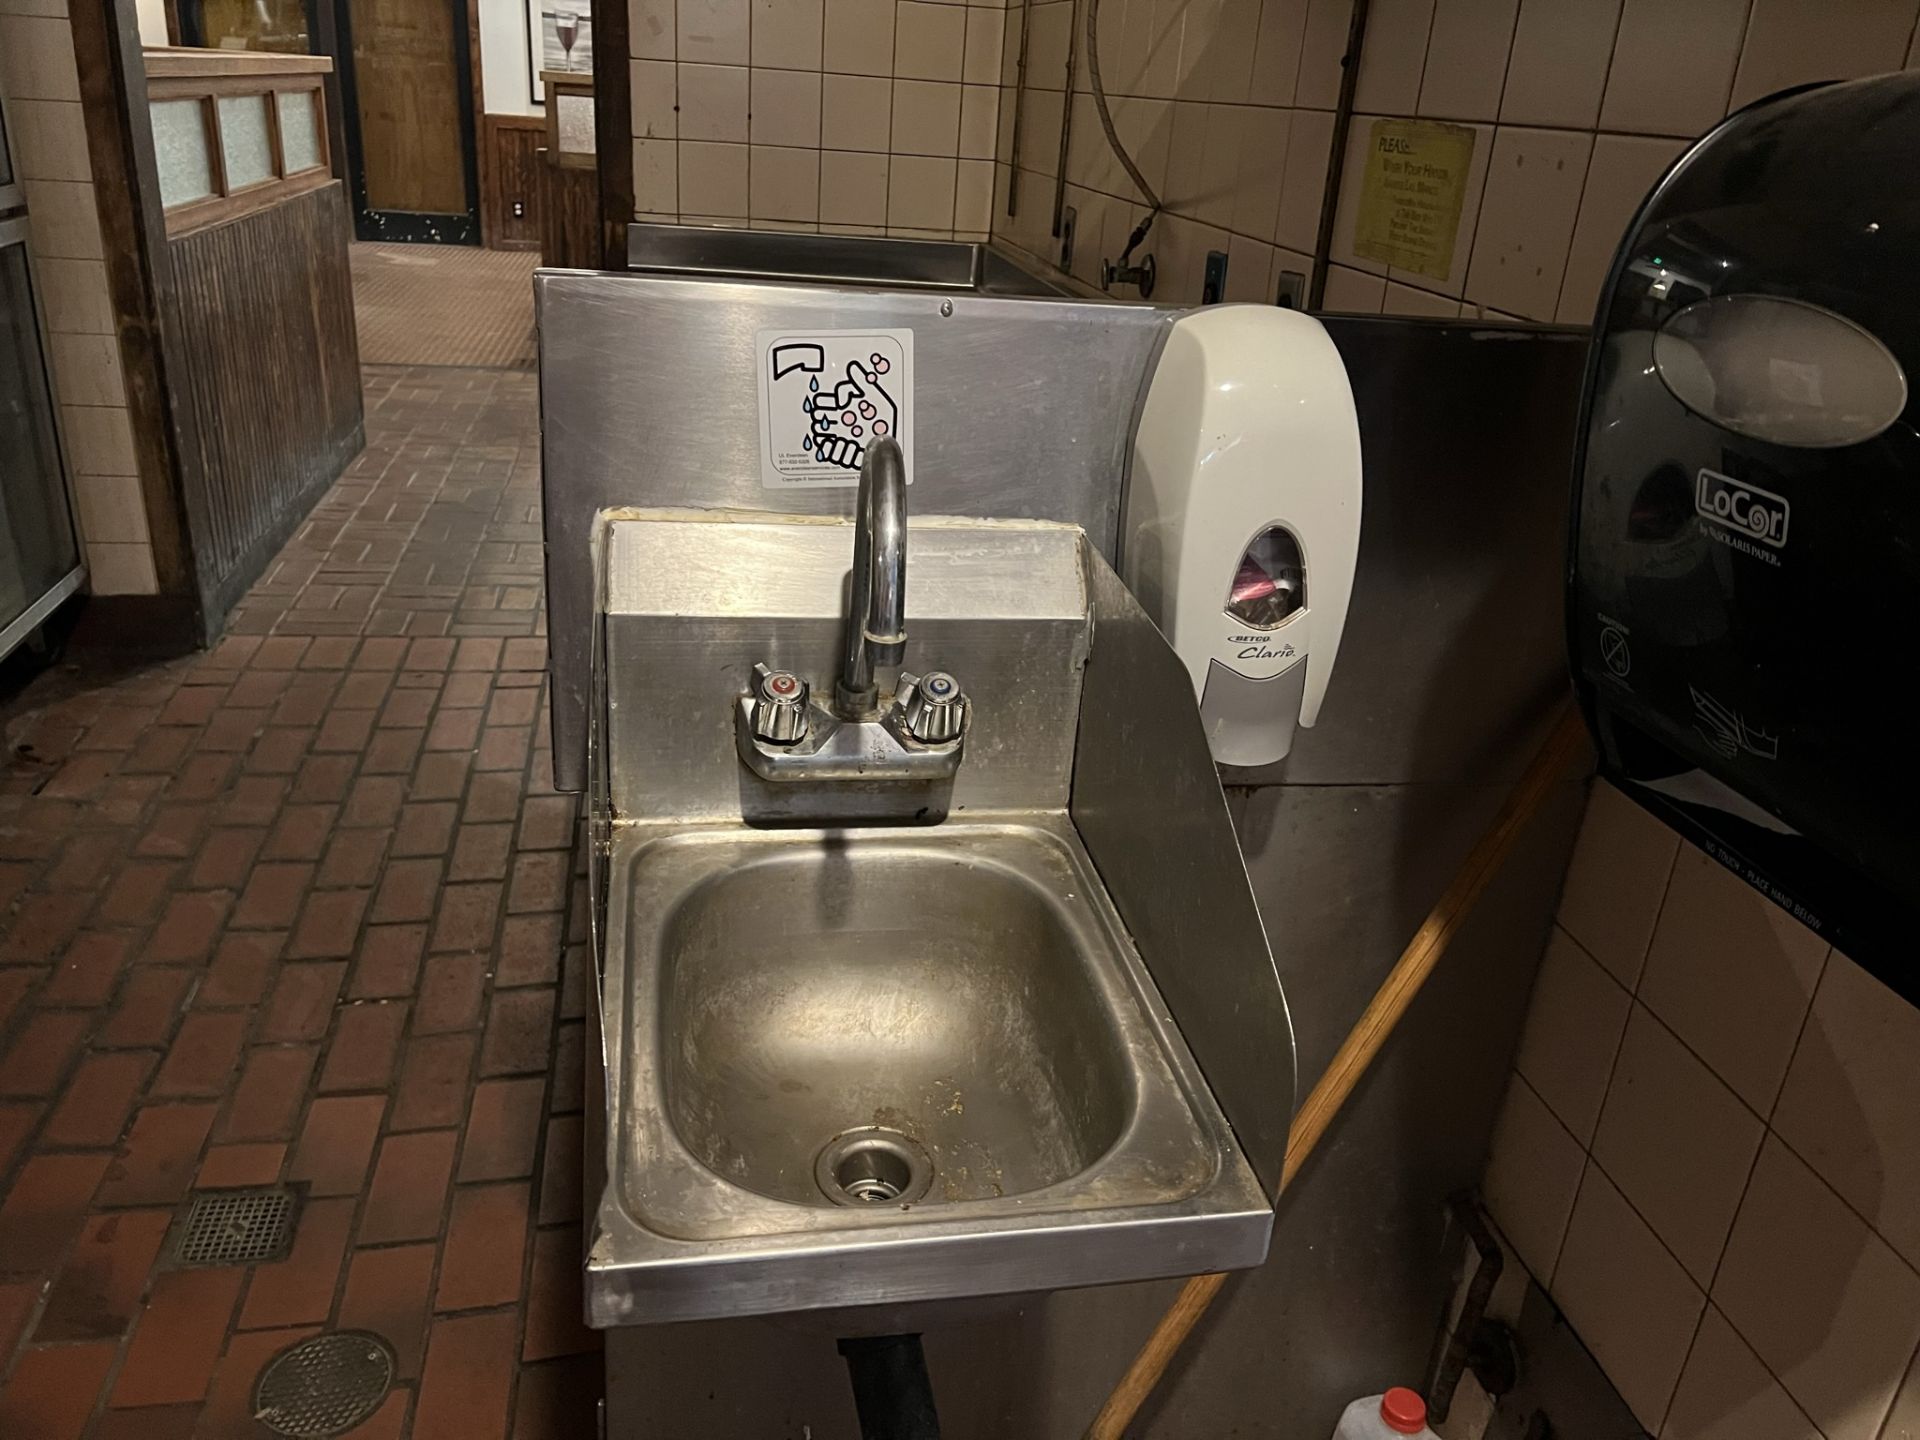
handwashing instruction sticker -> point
(825, 396)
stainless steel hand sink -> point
(916, 1053)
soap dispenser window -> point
(1270, 585)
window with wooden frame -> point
(235, 130)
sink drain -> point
(873, 1166)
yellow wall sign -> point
(1411, 187)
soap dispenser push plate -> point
(1242, 518)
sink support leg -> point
(891, 1390)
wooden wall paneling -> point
(613, 129)
(263, 311)
(113, 93)
(571, 233)
(516, 174)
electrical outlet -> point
(1213, 289)
(1292, 294)
(1069, 223)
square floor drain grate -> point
(236, 1227)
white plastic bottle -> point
(1392, 1416)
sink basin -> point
(852, 1043)
(942, 1000)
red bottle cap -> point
(1404, 1410)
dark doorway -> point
(403, 110)
(407, 89)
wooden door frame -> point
(407, 226)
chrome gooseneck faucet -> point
(876, 622)
(784, 734)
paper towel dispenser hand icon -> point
(1242, 520)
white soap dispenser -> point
(1241, 527)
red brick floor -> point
(300, 911)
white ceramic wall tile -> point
(985, 31)
(855, 112)
(63, 220)
(1525, 225)
(713, 102)
(48, 140)
(36, 59)
(1149, 50)
(1394, 57)
(1624, 169)
(1726, 1393)
(786, 107)
(713, 179)
(1455, 280)
(1227, 69)
(787, 34)
(1409, 300)
(853, 188)
(1309, 138)
(1262, 171)
(930, 41)
(1829, 1308)
(1276, 52)
(75, 296)
(111, 508)
(650, 29)
(920, 192)
(973, 196)
(1227, 127)
(1048, 35)
(655, 94)
(783, 183)
(1248, 265)
(1848, 1106)
(1677, 1142)
(1627, 1298)
(1040, 144)
(1352, 292)
(979, 116)
(1790, 42)
(713, 32)
(121, 569)
(1673, 66)
(1200, 22)
(1903, 1421)
(1181, 251)
(1572, 1033)
(859, 37)
(1532, 1178)
(1616, 881)
(86, 369)
(99, 440)
(1467, 58)
(1732, 975)
(926, 118)
(1558, 65)
(1322, 43)
(656, 177)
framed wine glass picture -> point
(560, 36)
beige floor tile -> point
(1615, 882)
(1572, 1032)
(1532, 1178)
(1726, 1393)
(1677, 1142)
(1732, 974)
(1823, 1301)
(1627, 1298)
(1848, 1106)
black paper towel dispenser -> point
(1745, 548)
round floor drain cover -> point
(324, 1386)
